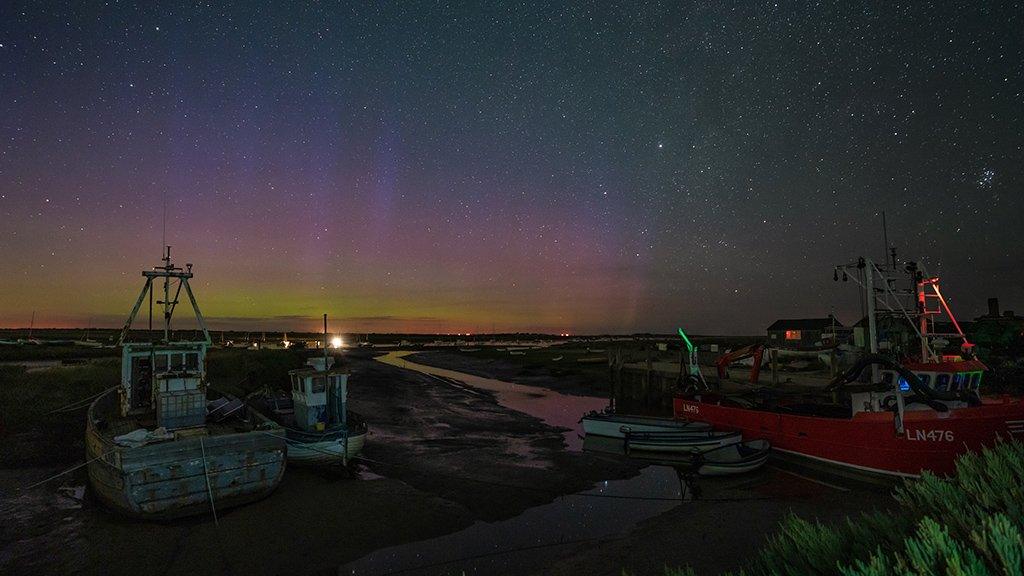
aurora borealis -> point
(443, 167)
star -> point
(986, 178)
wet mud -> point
(453, 480)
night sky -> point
(582, 167)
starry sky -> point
(588, 167)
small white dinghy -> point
(732, 459)
(615, 425)
(695, 441)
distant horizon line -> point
(370, 333)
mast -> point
(869, 287)
(167, 271)
(922, 310)
(167, 295)
(325, 342)
(885, 238)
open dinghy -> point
(736, 458)
(696, 441)
(616, 425)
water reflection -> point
(684, 466)
(554, 408)
(532, 539)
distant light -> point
(286, 343)
(336, 342)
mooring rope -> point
(209, 488)
(78, 404)
(72, 469)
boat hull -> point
(169, 479)
(334, 451)
(611, 425)
(868, 442)
(681, 442)
(332, 447)
(737, 458)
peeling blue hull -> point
(169, 479)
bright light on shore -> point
(336, 342)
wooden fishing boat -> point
(680, 441)
(334, 445)
(182, 472)
(616, 425)
(323, 440)
(319, 428)
(153, 449)
(730, 459)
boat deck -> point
(109, 423)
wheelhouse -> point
(168, 379)
(950, 375)
(319, 395)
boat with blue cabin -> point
(156, 446)
(320, 429)
(315, 418)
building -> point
(997, 333)
(806, 333)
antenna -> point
(163, 237)
(325, 341)
(885, 237)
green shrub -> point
(969, 524)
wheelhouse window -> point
(192, 361)
(177, 362)
(792, 334)
(925, 379)
(319, 384)
(161, 363)
(975, 380)
(942, 382)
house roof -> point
(805, 324)
(892, 321)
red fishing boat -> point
(915, 414)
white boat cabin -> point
(950, 376)
(319, 395)
(168, 379)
